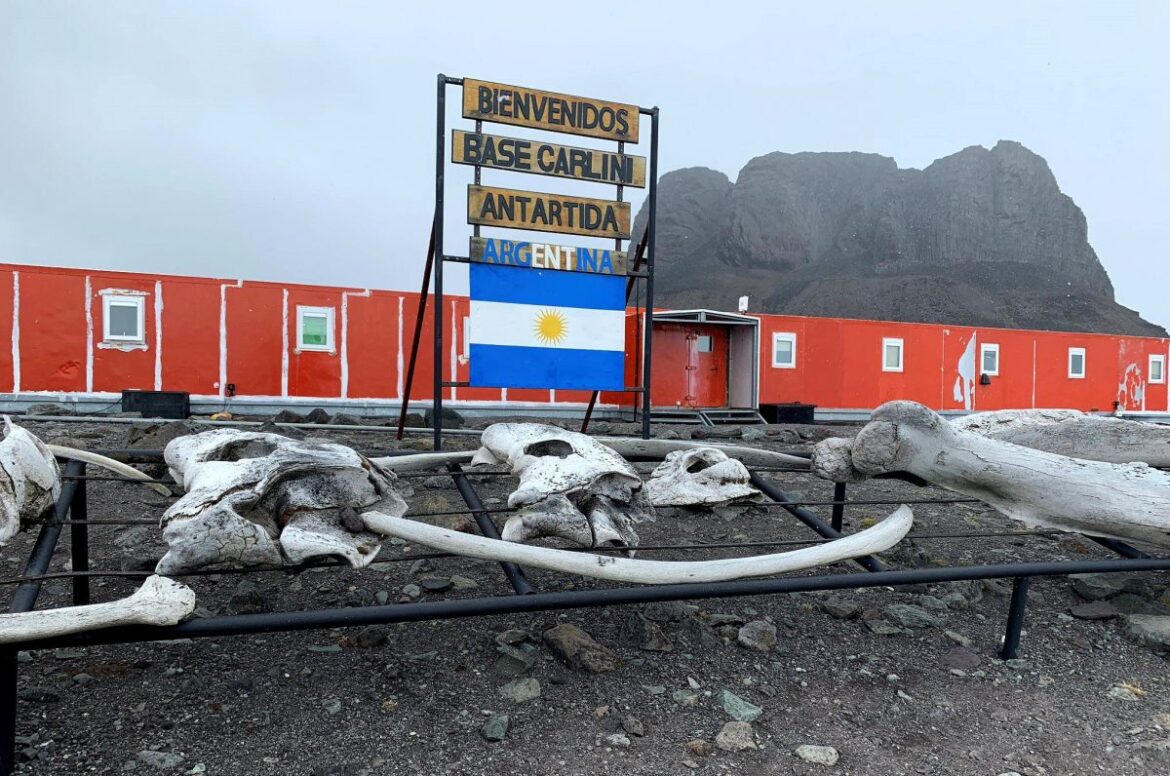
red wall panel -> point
(190, 335)
(52, 345)
(6, 329)
(254, 339)
(117, 367)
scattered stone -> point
(514, 660)
(910, 616)
(368, 638)
(883, 627)
(495, 728)
(332, 706)
(1094, 610)
(288, 416)
(437, 483)
(345, 419)
(617, 739)
(700, 747)
(739, 709)
(1128, 603)
(451, 418)
(460, 582)
(435, 584)
(247, 599)
(637, 631)
(163, 761)
(39, 695)
(1149, 629)
(958, 638)
(668, 611)
(579, 649)
(1125, 692)
(633, 726)
(840, 607)
(422, 566)
(521, 690)
(324, 649)
(753, 434)
(736, 737)
(512, 636)
(411, 591)
(317, 415)
(685, 697)
(758, 635)
(1095, 587)
(927, 601)
(818, 755)
(962, 659)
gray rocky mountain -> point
(981, 237)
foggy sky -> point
(295, 140)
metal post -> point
(651, 260)
(514, 573)
(79, 543)
(7, 710)
(838, 518)
(440, 163)
(1015, 622)
(419, 318)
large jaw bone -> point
(263, 499)
(699, 477)
(617, 569)
(160, 601)
(1123, 501)
(1073, 433)
(571, 486)
(31, 482)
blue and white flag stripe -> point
(496, 323)
(546, 329)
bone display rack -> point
(71, 511)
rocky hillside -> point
(983, 238)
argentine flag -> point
(533, 328)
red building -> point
(85, 335)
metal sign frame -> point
(640, 283)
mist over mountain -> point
(981, 238)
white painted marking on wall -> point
(158, 313)
(1033, 373)
(965, 383)
(15, 332)
(503, 394)
(345, 295)
(284, 344)
(223, 337)
(552, 395)
(454, 347)
(88, 334)
(401, 366)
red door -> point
(690, 365)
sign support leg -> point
(418, 325)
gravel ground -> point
(895, 681)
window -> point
(315, 328)
(784, 350)
(1076, 363)
(124, 318)
(892, 354)
(989, 359)
(1157, 369)
(704, 343)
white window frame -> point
(886, 342)
(329, 314)
(988, 347)
(137, 301)
(781, 336)
(1160, 360)
(1084, 363)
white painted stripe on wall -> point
(401, 366)
(454, 347)
(88, 334)
(223, 335)
(15, 332)
(504, 323)
(284, 344)
(158, 313)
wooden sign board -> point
(513, 209)
(560, 161)
(524, 107)
(518, 253)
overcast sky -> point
(292, 140)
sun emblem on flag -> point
(550, 326)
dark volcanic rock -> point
(981, 237)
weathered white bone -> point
(160, 601)
(31, 482)
(660, 448)
(261, 499)
(109, 463)
(1076, 434)
(599, 494)
(875, 539)
(832, 459)
(1123, 501)
(703, 476)
(421, 461)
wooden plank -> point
(522, 253)
(553, 159)
(524, 107)
(537, 211)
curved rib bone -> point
(160, 601)
(617, 569)
(117, 467)
(1124, 501)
